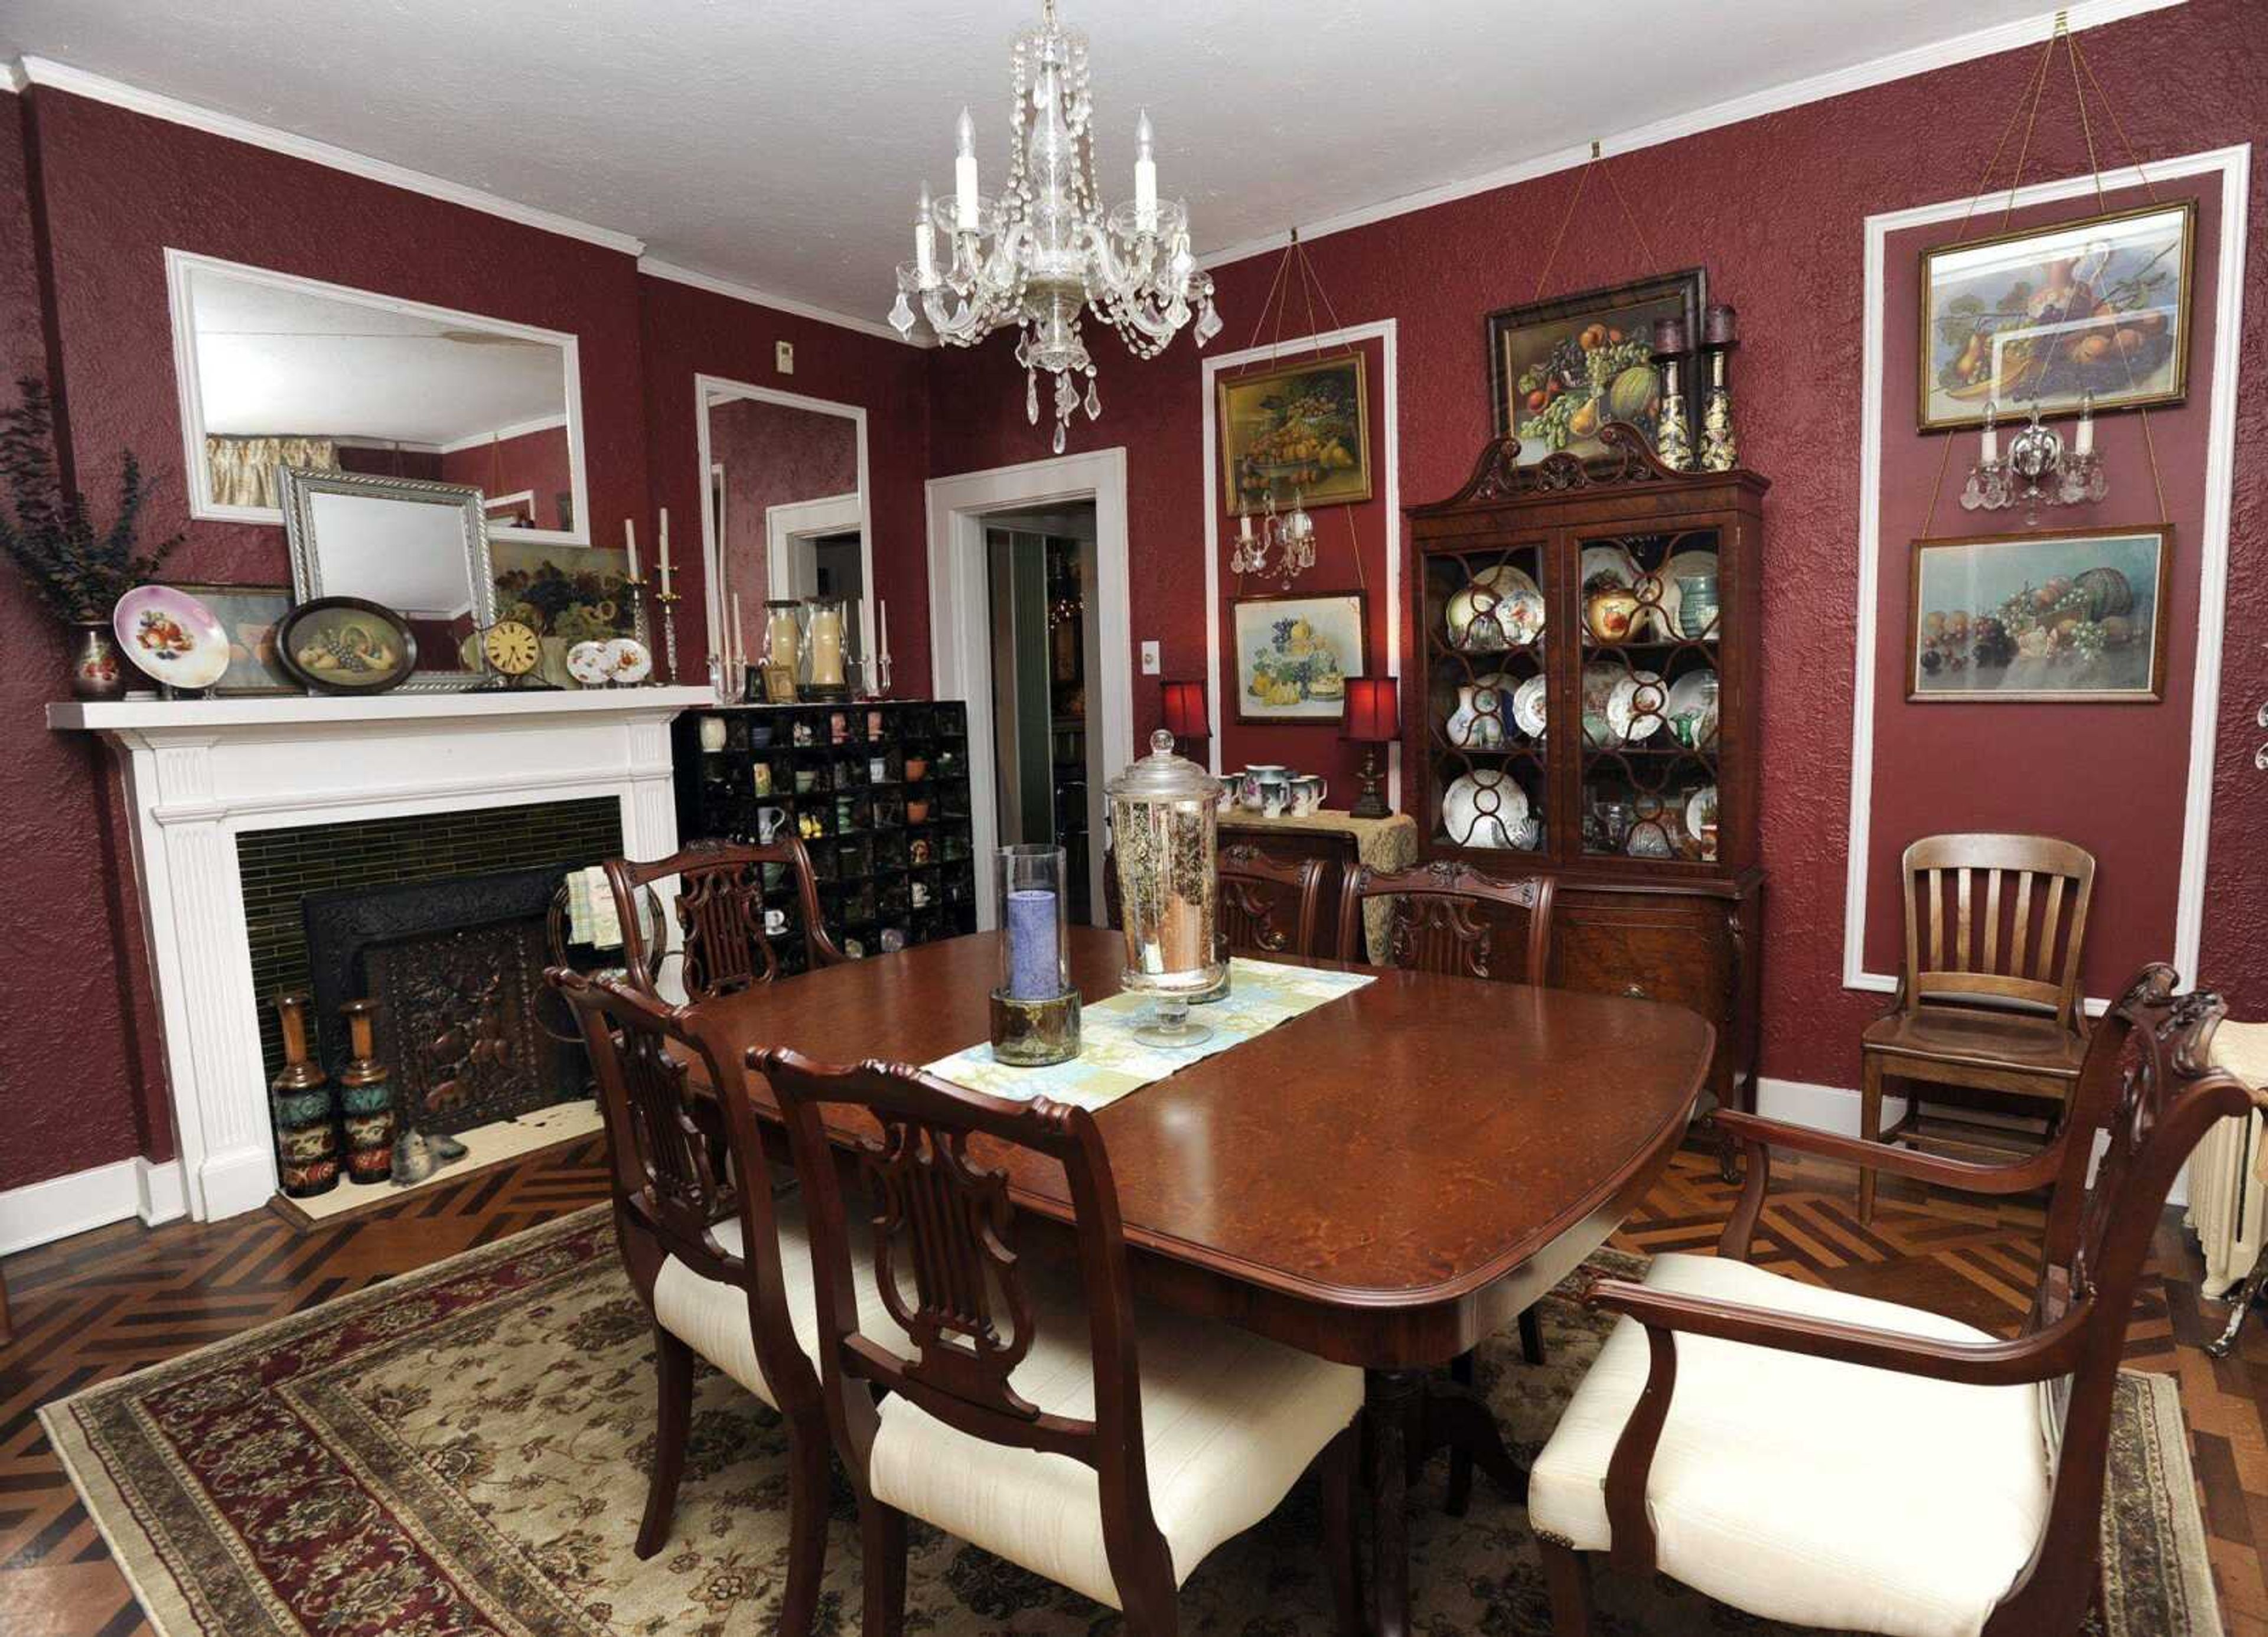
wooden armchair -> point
(1829, 1460)
(1268, 905)
(959, 1410)
(720, 914)
(1449, 917)
(1994, 1005)
(722, 1266)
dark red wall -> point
(1774, 209)
(691, 332)
(773, 455)
(535, 461)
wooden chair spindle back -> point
(1268, 905)
(720, 912)
(1997, 917)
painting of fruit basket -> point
(1294, 654)
(1560, 370)
(2048, 317)
(1303, 430)
(2073, 614)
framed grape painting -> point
(1560, 370)
(2069, 615)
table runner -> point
(1111, 1061)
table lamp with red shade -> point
(1186, 717)
(1374, 717)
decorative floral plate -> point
(591, 663)
(170, 636)
(1501, 608)
(1487, 808)
(628, 660)
(1527, 706)
(1635, 707)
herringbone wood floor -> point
(112, 1301)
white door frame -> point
(711, 548)
(961, 635)
(801, 521)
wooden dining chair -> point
(720, 912)
(1179, 1433)
(1830, 1460)
(1449, 917)
(1268, 905)
(1988, 992)
(722, 1268)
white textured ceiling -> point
(779, 143)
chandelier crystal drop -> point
(1284, 547)
(1043, 250)
(2039, 470)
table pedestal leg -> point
(1394, 1402)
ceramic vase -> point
(97, 671)
(1477, 722)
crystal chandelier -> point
(2039, 470)
(1045, 248)
(1290, 536)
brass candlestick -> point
(636, 586)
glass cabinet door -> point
(1649, 694)
(1485, 733)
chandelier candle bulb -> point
(2085, 444)
(925, 241)
(964, 174)
(1989, 437)
(1145, 177)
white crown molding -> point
(1983, 42)
(38, 70)
(11, 76)
(2233, 166)
(749, 293)
(518, 428)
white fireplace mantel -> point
(200, 772)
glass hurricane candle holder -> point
(1164, 814)
(824, 632)
(1034, 1009)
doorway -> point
(1047, 777)
(961, 511)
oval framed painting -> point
(346, 645)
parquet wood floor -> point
(112, 1301)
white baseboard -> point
(42, 1212)
(1836, 1109)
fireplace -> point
(204, 778)
(456, 967)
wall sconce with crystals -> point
(2039, 470)
(1044, 249)
(1285, 545)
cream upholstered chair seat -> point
(1820, 1494)
(711, 1316)
(1229, 1423)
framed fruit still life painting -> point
(1294, 654)
(2073, 615)
(1560, 370)
(1303, 430)
(2053, 316)
(249, 614)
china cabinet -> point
(1588, 707)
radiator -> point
(2228, 1173)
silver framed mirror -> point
(417, 547)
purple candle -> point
(1034, 968)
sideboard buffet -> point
(1588, 709)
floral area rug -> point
(465, 1451)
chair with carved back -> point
(1826, 1459)
(1268, 905)
(720, 912)
(721, 1264)
(1448, 917)
(1988, 994)
(1185, 1432)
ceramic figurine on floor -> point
(413, 1160)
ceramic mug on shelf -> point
(1309, 791)
(1275, 789)
(775, 923)
(1697, 604)
(1231, 784)
(917, 809)
(770, 822)
(1248, 789)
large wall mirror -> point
(282, 371)
(787, 513)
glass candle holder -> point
(1163, 811)
(1034, 1008)
(824, 631)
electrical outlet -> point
(784, 357)
(1151, 664)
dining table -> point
(1383, 1180)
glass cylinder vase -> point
(825, 630)
(1164, 817)
(1034, 1008)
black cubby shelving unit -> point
(877, 788)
